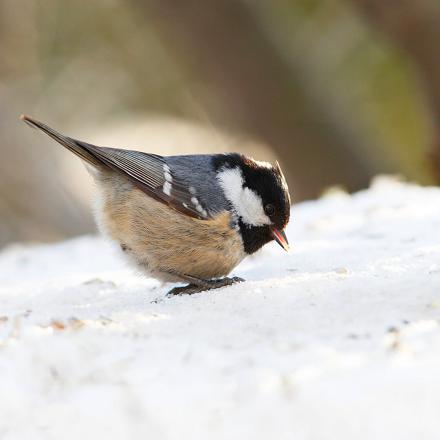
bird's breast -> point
(161, 239)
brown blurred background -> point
(336, 90)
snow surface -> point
(340, 339)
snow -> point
(340, 338)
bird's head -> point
(259, 197)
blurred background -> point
(336, 90)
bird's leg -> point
(198, 285)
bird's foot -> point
(204, 285)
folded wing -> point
(148, 172)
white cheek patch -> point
(246, 202)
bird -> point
(184, 218)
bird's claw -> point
(207, 285)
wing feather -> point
(152, 174)
(149, 172)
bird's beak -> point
(280, 238)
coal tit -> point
(188, 218)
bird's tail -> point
(81, 149)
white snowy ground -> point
(340, 339)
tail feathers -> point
(81, 149)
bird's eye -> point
(269, 209)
